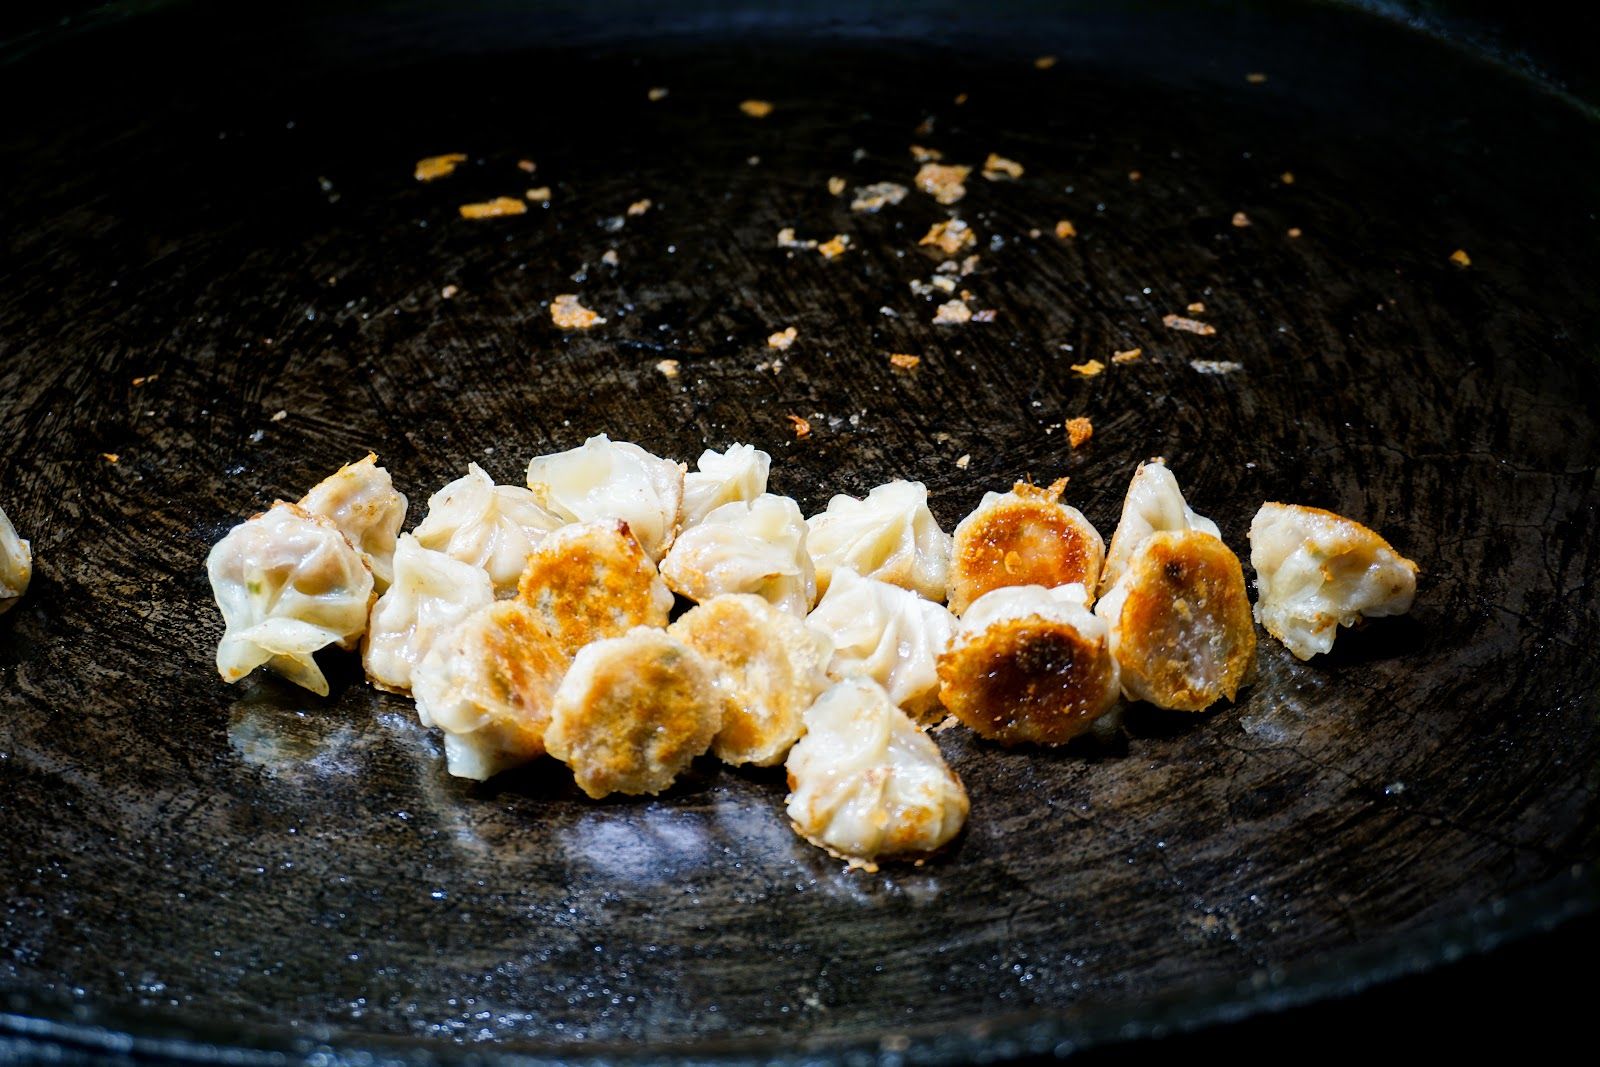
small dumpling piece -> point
(720, 478)
(490, 526)
(16, 564)
(1179, 621)
(361, 500)
(633, 712)
(604, 479)
(288, 583)
(891, 536)
(1024, 537)
(431, 593)
(488, 683)
(1029, 664)
(1317, 571)
(866, 783)
(885, 633)
(1154, 503)
(768, 662)
(592, 580)
(756, 546)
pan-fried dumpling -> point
(430, 594)
(1317, 571)
(490, 526)
(361, 500)
(886, 633)
(865, 782)
(1029, 664)
(1179, 621)
(771, 665)
(756, 546)
(288, 583)
(740, 473)
(591, 580)
(890, 536)
(1154, 503)
(605, 479)
(1024, 537)
(488, 683)
(633, 713)
(16, 564)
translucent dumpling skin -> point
(886, 633)
(1317, 571)
(16, 564)
(288, 583)
(493, 527)
(720, 478)
(1154, 503)
(361, 500)
(756, 547)
(1024, 537)
(430, 593)
(865, 783)
(891, 535)
(593, 580)
(604, 480)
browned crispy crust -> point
(1026, 680)
(594, 587)
(1031, 541)
(524, 663)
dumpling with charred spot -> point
(1179, 621)
(885, 633)
(891, 535)
(493, 527)
(720, 478)
(604, 479)
(633, 712)
(1154, 503)
(771, 665)
(361, 500)
(1317, 571)
(1029, 664)
(430, 594)
(288, 583)
(592, 580)
(756, 546)
(16, 564)
(1024, 537)
(488, 683)
(865, 783)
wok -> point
(222, 281)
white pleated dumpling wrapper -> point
(431, 592)
(865, 783)
(1154, 503)
(720, 478)
(288, 583)
(605, 479)
(756, 546)
(891, 535)
(1024, 537)
(16, 564)
(488, 683)
(770, 664)
(490, 526)
(361, 500)
(1317, 571)
(885, 633)
(1029, 665)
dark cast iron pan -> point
(219, 203)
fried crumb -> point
(1196, 308)
(1295, 231)
(943, 181)
(438, 166)
(944, 284)
(567, 313)
(998, 168)
(1215, 366)
(953, 313)
(802, 427)
(449, 292)
(1240, 219)
(1287, 177)
(1044, 62)
(920, 154)
(950, 236)
(539, 195)
(969, 264)
(656, 95)
(835, 186)
(834, 248)
(493, 209)
(1178, 322)
(639, 207)
(963, 460)
(1035, 233)
(1079, 430)
(668, 368)
(1127, 355)
(110, 457)
(783, 338)
(1089, 369)
(279, 415)
(145, 379)
(961, 98)
(1460, 258)
(610, 258)
(756, 109)
(1134, 176)
(872, 198)
(904, 361)
(1065, 229)
(787, 239)
(527, 166)
(1255, 77)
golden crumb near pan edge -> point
(802, 427)
(904, 360)
(836, 186)
(834, 248)
(787, 239)
(610, 258)
(1065, 229)
(1127, 355)
(963, 461)
(567, 313)
(1089, 369)
(950, 236)
(1079, 430)
(999, 168)
(1196, 308)
(639, 207)
(756, 109)
(920, 154)
(527, 166)
(1460, 258)
(668, 368)
(1044, 62)
(438, 166)
(1240, 219)
(1178, 322)
(279, 415)
(143, 379)
(449, 292)
(943, 181)
(657, 94)
(1287, 177)
(539, 195)
(1295, 231)
(783, 338)
(952, 313)
(1134, 176)
(493, 209)
(110, 457)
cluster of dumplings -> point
(538, 620)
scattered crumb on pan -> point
(657, 94)
(1178, 322)
(943, 181)
(953, 313)
(1215, 366)
(1196, 308)
(1065, 229)
(1287, 177)
(1240, 219)
(1089, 369)
(438, 166)
(668, 368)
(836, 186)
(493, 209)
(802, 427)
(1127, 355)
(834, 248)
(567, 313)
(963, 460)
(1295, 231)
(610, 258)
(1044, 62)
(783, 338)
(920, 154)
(873, 198)
(539, 194)
(527, 166)
(904, 361)
(950, 236)
(449, 292)
(787, 239)
(1460, 258)
(1079, 430)
(639, 207)
(756, 109)
(1255, 77)
(998, 168)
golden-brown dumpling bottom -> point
(1024, 537)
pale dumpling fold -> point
(865, 782)
(891, 535)
(16, 564)
(1024, 537)
(430, 593)
(720, 478)
(361, 500)
(1317, 571)
(605, 479)
(756, 546)
(288, 583)
(1154, 503)
(492, 527)
(885, 633)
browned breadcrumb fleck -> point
(1196, 308)
(493, 209)
(539, 194)
(1127, 355)
(802, 427)
(609, 257)
(449, 292)
(963, 460)
(969, 264)
(1065, 229)
(1044, 62)
(756, 109)
(1240, 219)
(871, 198)
(961, 98)
(668, 368)
(787, 239)
(144, 378)
(1255, 77)
(657, 94)
(1460, 258)
(835, 186)
(1287, 177)
(944, 284)
(567, 313)
(1089, 369)
(639, 207)
(110, 457)
(920, 154)
(834, 248)
(950, 236)
(1134, 176)
(783, 338)
(527, 166)
(953, 313)
(1178, 322)
(1079, 430)
(999, 168)
(943, 181)
(904, 361)
(279, 415)
(1295, 231)
(438, 166)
